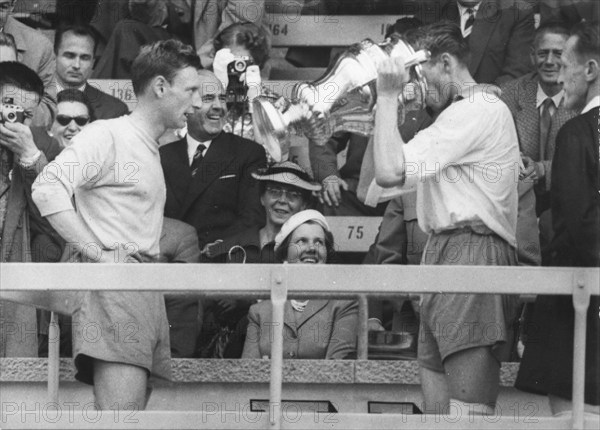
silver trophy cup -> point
(343, 98)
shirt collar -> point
(594, 103)
(541, 96)
(463, 9)
(192, 145)
(60, 88)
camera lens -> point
(239, 66)
(11, 117)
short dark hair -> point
(253, 37)
(82, 30)
(403, 25)
(162, 58)
(553, 27)
(21, 76)
(74, 95)
(588, 40)
(7, 39)
(282, 251)
(440, 37)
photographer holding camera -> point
(24, 151)
(241, 53)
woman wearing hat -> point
(313, 329)
(285, 189)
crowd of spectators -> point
(216, 195)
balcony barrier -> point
(48, 286)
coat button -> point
(292, 354)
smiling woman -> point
(313, 329)
(73, 113)
(285, 189)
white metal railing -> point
(48, 286)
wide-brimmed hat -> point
(287, 173)
(296, 221)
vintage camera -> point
(239, 66)
(11, 113)
(236, 90)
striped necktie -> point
(198, 157)
(469, 23)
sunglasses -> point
(65, 120)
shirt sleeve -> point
(456, 137)
(81, 165)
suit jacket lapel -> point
(486, 19)
(312, 307)
(527, 118)
(176, 168)
(218, 156)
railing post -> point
(581, 302)
(363, 328)
(53, 358)
(279, 282)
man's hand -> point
(208, 248)
(331, 195)
(222, 58)
(94, 254)
(18, 139)
(391, 76)
(529, 173)
(253, 82)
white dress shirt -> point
(192, 145)
(541, 96)
(464, 15)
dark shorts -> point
(455, 322)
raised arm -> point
(388, 152)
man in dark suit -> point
(575, 201)
(74, 47)
(212, 189)
(209, 186)
(499, 33)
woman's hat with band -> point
(287, 173)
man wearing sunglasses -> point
(24, 151)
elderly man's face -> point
(6, 7)
(28, 100)
(209, 118)
(546, 56)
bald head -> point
(209, 80)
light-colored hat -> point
(296, 221)
(287, 173)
